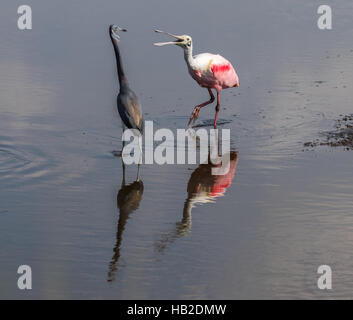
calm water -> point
(178, 233)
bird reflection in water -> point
(128, 200)
(203, 187)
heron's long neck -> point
(121, 74)
(188, 56)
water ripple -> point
(21, 163)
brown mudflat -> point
(341, 136)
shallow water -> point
(262, 233)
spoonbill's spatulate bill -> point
(128, 104)
(210, 71)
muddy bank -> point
(340, 136)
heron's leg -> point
(140, 149)
(138, 173)
(218, 106)
(123, 164)
(122, 149)
(195, 113)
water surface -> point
(176, 233)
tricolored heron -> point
(128, 104)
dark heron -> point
(128, 104)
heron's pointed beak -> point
(178, 41)
(114, 29)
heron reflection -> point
(203, 187)
(128, 200)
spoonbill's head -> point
(184, 41)
(114, 29)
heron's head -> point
(183, 41)
(114, 29)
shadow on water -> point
(203, 187)
(128, 200)
(209, 123)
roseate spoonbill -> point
(210, 71)
(128, 104)
(128, 200)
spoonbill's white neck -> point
(188, 55)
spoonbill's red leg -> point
(195, 113)
(218, 106)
